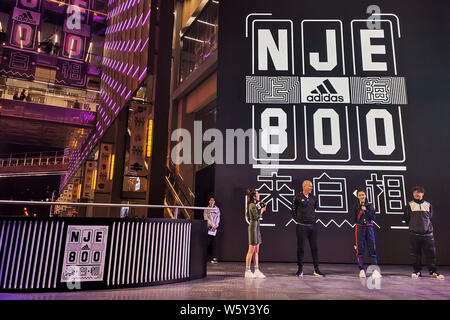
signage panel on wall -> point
(71, 73)
(23, 35)
(17, 63)
(138, 139)
(84, 254)
(327, 95)
(74, 46)
(104, 167)
(34, 5)
(88, 179)
(26, 16)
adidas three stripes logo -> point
(325, 87)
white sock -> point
(248, 269)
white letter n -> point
(279, 54)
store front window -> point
(200, 40)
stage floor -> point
(226, 281)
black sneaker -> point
(317, 273)
(299, 273)
(416, 275)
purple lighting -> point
(142, 75)
(134, 21)
(146, 18)
(128, 95)
(129, 70)
(131, 47)
(98, 19)
(145, 43)
(136, 71)
(137, 46)
(139, 20)
(124, 23)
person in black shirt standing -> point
(304, 208)
(418, 214)
(22, 95)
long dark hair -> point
(357, 204)
(251, 193)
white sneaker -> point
(436, 275)
(249, 274)
(376, 274)
(362, 274)
(415, 275)
(259, 274)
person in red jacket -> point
(364, 233)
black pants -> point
(212, 246)
(425, 243)
(307, 232)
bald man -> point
(304, 212)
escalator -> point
(178, 194)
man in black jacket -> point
(418, 214)
(304, 208)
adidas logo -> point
(325, 92)
(85, 247)
(25, 17)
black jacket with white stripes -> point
(418, 214)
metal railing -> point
(114, 205)
(175, 182)
(33, 159)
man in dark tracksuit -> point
(304, 208)
(418, 214)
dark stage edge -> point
(225, 281)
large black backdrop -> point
(422, 55)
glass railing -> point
(200, 40)
(54, 96)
